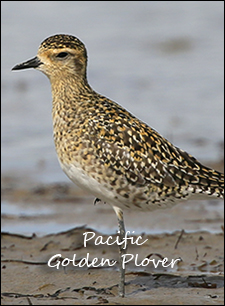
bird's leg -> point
(122, 250)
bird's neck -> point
(69, 89)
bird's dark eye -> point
(62, 54)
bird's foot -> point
(96, 201)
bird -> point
(106, 150)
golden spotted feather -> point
(105, 149)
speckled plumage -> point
(131, 164)
(105, 149)
(141, 168)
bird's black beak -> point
(32, 63)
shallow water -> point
(163, 61)
(54, 208)
(44, 219)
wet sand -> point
(27, 280)
(197, 279)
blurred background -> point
(161, 60)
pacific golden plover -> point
(109, 152)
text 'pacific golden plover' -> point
(109, 152)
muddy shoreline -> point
(27, 279)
